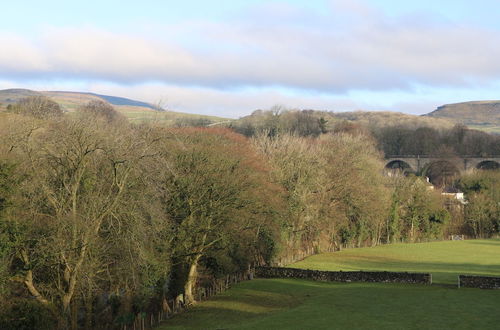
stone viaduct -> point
(419, 163)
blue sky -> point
(230, 57)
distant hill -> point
(116, 100)
(137, 111)
(484, 115)
(12, 96)
(481, 115)
(69, 100)
(371, 119)
(390, 118)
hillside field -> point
(301, 304)
(478, 114)
(445, 260)
(135, 111)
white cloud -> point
(214, 64)
(238, 103)
(19, 56)
(225, 103)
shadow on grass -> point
(491, 242)
(321, 305)
(244, 302)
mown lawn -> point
(444, 260)
(301, 304)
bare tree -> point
(101, 109)
(39, 107)
(79, 178)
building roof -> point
(451, 190)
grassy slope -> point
(366, 118)
(390, 118)
(13, 95)
(70, 101)
(486, 128)
(299, 304)
(444, 260)
(481, 115)
(474, 113)
(138, 114)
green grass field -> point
(138, 115)
(487, 128)
(300, 304)
(444, 260)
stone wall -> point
(481, 282)
(340, 276)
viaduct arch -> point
(420, 163)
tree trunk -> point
(28, 281)
(411, 232)
(74, 315)
(88, 311)
(66, 300)
(191, 281)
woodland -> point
(101, 219)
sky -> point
(230, 57)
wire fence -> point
(171, 307)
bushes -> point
(102, 110)
(84, 210)
(40, 107)
(417, 211)
(335, 191)
(482, 213)
(105, 208)
(214, 196)
(26, 314)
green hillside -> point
(389, 118)
(11, 96)
(302, 304)
(445, 260)
(136, 111)
(289, 119)
(483, 115)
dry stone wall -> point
(481, 282)
(340, 276)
